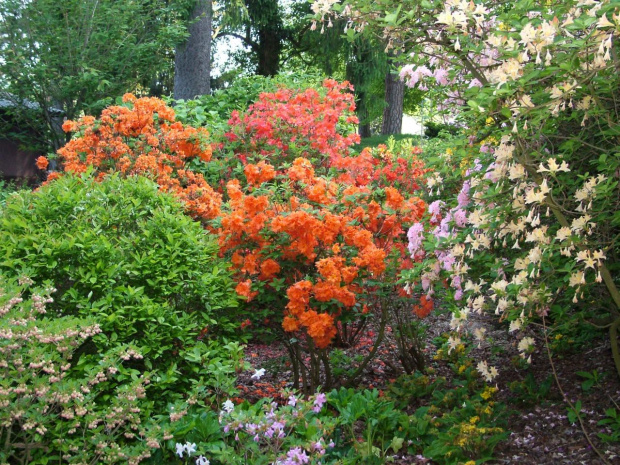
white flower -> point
(488, 373)
(563, 233)
(479, 334)
(453, 343)
(604, 22)
(515, 325)
(202, 461)
(228, 406)
(258, 374)
(577, 279)
(525, 344)
(190, 448)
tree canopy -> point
(77, 55)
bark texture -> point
(394, 97)
(192, 64)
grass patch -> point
(373, 141)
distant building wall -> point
(15, 162)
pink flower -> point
(441, 76)
(415, 236)
(435, 210)
(319, 400)
(463, 197)
(460, 218)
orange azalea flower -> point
(394, 199)
(345, 297)
(320, 327)
(254, 205)
(425, 308)
(290, 324)
(143, 138)
(42, 163)
(129, 98)
(373, 258)
(69, 126)
(237, 259)
(299, 297)
(250, 264)
(301, 170)
(244, 289)
(259, 173)
(269, 269)
(206, 154)
(330, 267)
(324, 291)
(349, 273)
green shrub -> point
(433, 130)
(6, 189)
(124, 254)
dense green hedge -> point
(123, 253)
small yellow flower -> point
(488, 392)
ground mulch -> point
(540, 431)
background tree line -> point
(76, 57)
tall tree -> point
(262, 30)
(192, 62)
(77, 55)
(394, 99)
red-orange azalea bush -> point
(314, 254)
(141, 137)
(288, 123)
(382, 166)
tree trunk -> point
(192, 64)
(394, 96)
(265, 18)
(362, 114)
(269, 48)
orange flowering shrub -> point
(141, 137)
(312, 251)
(314, 256)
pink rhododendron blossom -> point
(463, 197)
(460, 217)
(441, 76)
(435, 210)
(415, 236)
(412, 76)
